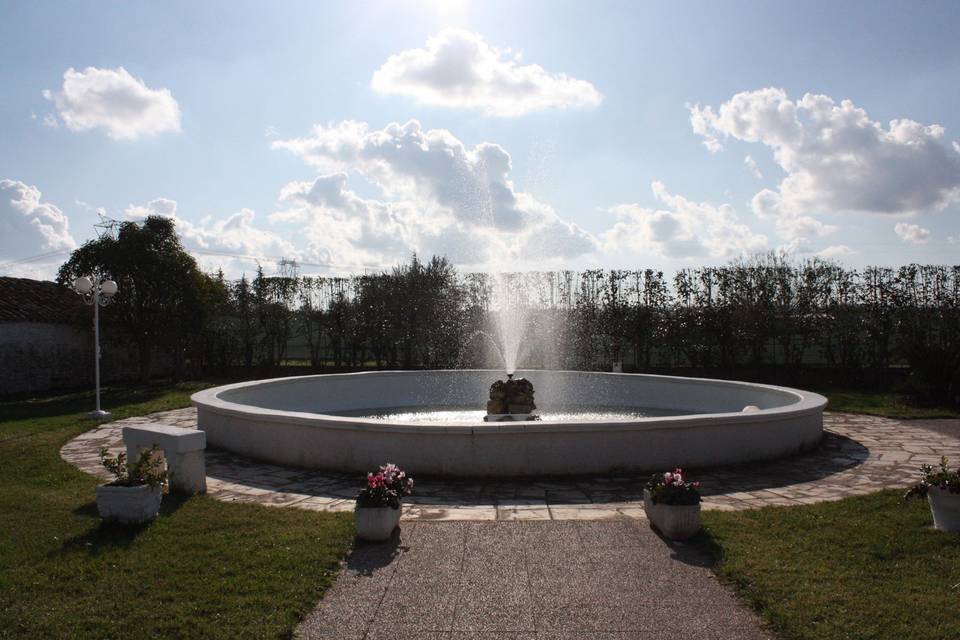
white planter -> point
(376, 523)
(677, 522)
(648, 506)
(945, 507)
(129, 505)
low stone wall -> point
(38, 356)
(286, 421)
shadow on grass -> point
(104, 537)
(88, 510)
(112, 535)
(82, 402)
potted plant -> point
(135, 494)
(674, 506)
(942, 489)
(378, 504)
(655, 481)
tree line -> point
(765, 317)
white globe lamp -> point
(83, 285)
(108, 288)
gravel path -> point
(523, 580)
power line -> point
(4, 266)
(278, 259)
(36, 258)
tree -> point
(244, 326)
(159, 301)
(213, 346)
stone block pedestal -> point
(183, 450)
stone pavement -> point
(859, 454)
(611, 580)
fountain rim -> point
(807, 402)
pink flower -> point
(696, 484)
(375, 481)
(667, 477)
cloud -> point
(407, 161)
(157, 207)
(752, 165)
(49, 120)
(234, 243)
(798, 230)
(30, 227)
(912, 233)
(835, 251)
(701, 122)
(346, 229)
(835, 157)
(438, 196)
(682, 229)
(114, 101)
(459, 69)
(556, 240)
(802, 228)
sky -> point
(504, 135)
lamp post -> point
(99, 294)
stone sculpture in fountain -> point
(511, 400)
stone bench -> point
(183, 450)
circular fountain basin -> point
(430, 422)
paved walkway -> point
(613, 580)
(860, 454)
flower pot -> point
(130, 505)
(648, 506)
(945, 507)
(677, 522)
(376, 523)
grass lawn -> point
(202, 569)
(883, 403)
(863, 567)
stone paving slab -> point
(859, 455)
(532, 580)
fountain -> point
(511, 401)
(432, 422)
(454, 422)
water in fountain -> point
(457, 414)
